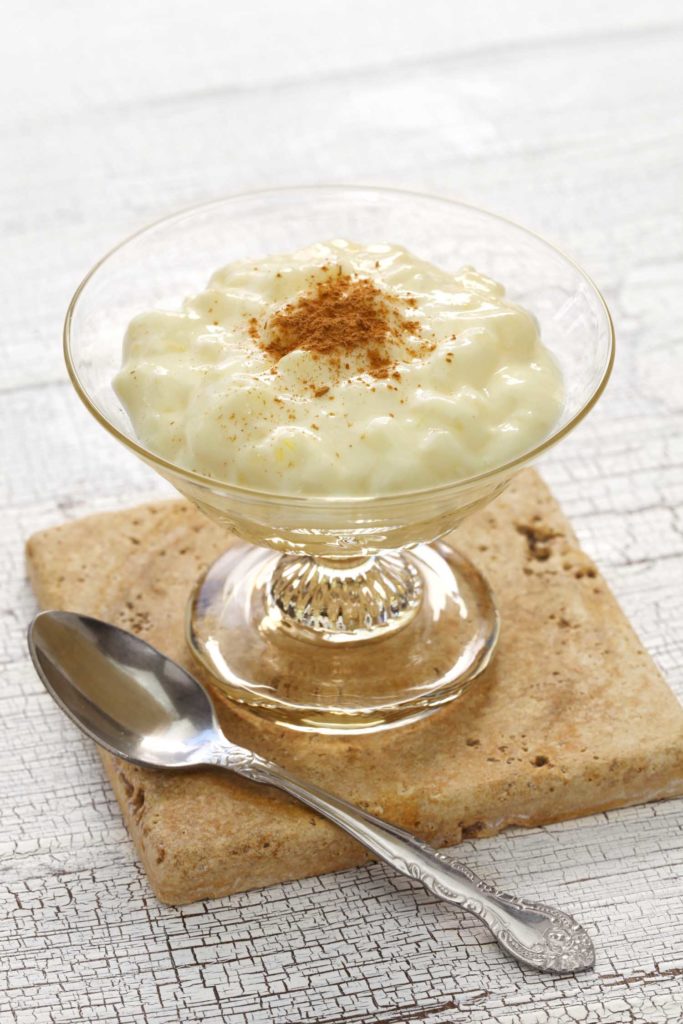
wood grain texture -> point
(564, 117)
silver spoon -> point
(145, 708)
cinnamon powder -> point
(343, 316)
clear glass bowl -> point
(337, 614)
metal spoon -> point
(143, 707)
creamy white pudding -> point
(341, 369)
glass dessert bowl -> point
(338, 613)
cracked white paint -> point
(565, 117)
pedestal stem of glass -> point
(345, 600)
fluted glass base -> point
(341, 646)
(345, 600)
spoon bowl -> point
(122, 692)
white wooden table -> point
(566, 117)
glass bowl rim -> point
(275, 497)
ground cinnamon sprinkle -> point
(343, 315)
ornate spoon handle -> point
(535, 934)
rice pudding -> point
(340, 370)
